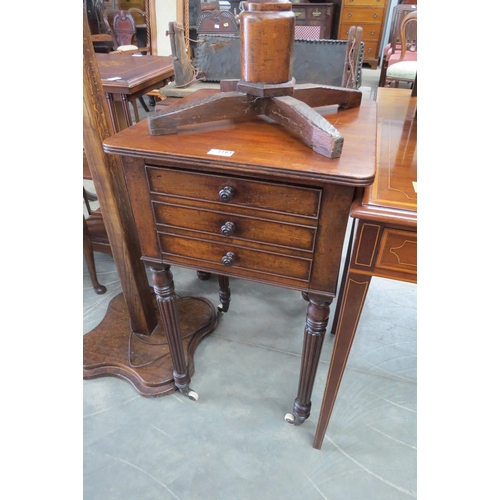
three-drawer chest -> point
(369, 15)
(248, 200)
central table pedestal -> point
(111, 349)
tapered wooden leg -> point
(164, 288)
(318, 312)
(345, 271)
(224, 293)
(353, 299)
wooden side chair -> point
(392, 51)
(187, 78)
(217, 22)
(405, 69)
(123, 30)
(218, 58)
(95, 238)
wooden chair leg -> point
(136, 111)
(88, 253)
(143, 104)
(383, 73)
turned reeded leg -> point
(224, 294)
(164, 288)
(318, 312)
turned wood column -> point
(112, 194)
(163, 284)
(224, 293)
(318, 312)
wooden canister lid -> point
(266, 5)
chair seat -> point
(404, 70)
(125, 48)
(394, 58)
(172, 91)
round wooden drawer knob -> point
(228, 259)
(226, 194)
(228, 229)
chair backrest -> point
(217, 22)
(123, 27)
(315, 61)
(184, 71)
(398, 14)
(408, 34)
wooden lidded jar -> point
(267, 30)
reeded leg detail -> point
(164, 288)
(224, 294)
(318, 312)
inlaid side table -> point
(384, 231)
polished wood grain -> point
(183, 191)
(266, 60)
(112, 349)
(261, 147)
(266, 46)
(384, 238)
(112, 193)
(137, 75)
(106, 348)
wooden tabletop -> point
(394, 190)
(136, 72)
(263, 147)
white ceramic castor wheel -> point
(290, 418)
(193, 396)
(220, 309)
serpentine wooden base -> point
(148, 367)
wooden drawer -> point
(318, 13)
(228, 227)
(368, 15)
(375, 3)
(274, 197)
(370, 50)
(247, 262)
(312, 13)
(370, 32)
(300, 13)
(398, 251)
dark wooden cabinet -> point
(313, 20)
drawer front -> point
(318, 13)
(373, 3)
(367, 15)
(398, 251)
(245, 261)
(370, 50)
(370, 32)
(300, 13)
(239, 192)
(229, 227)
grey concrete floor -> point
(233, 443)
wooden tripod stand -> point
(267, 87)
